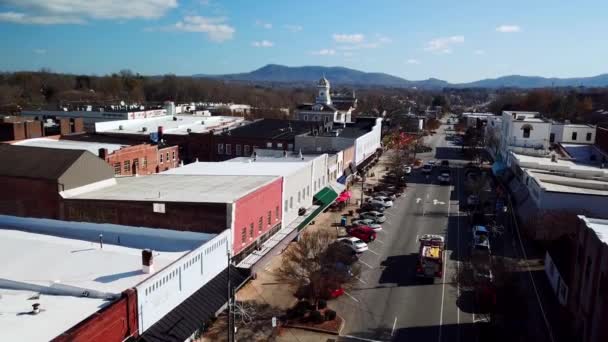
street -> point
(389, 303)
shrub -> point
(330, 315)
(316, 317)
(322, 304)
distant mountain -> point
(273, 73)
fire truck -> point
(430, 256)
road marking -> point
(364, 263)
(435, 202)
(353, 298)
(379, 241)
(445, 271)
(361, 338)
(418, 199)
(361, 280)
(369, 250)
(394, 325)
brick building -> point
(250, 207)
(14, 128)
(601, 137)
(33, 179)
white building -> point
(177, 125)
(524, 132)
(471, 119)
(324, 109)
(572, 133)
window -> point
(246, 150)
(290, 147)
(251, 231)
(243, 235)
(589, 136)
(220, 148)
(526, 129)
(279, 145)
(552, 137)
(260, 224)
(323, 180)
(126, 166)
(161, 157)
(167, 156)
(238, 150)
(574, 134)
(255, 147)
(269, 217)
(291, 202)
(229, 149)
(308, 190)
(116, 168)
(136, 164)
(173, 155)
(286, 206)
(276, 213)
(298, 197)
(303, 193)
(269, 145)
(305, 117)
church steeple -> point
(323, 87)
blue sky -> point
(456, 41)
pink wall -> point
(249, 210)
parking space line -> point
(361, 280)
(380, 241)
(394, 325)
(353, 298)
(369, 250)
(364, 263)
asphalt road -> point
(389, 303)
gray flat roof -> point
(559, 183)
(183, 187)
(180, 125)
(54, 272)
(92, 147)
(241, 167)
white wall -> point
(563, 134)
(165, 290)
(367, 144)
(294, 183)
(319, 172)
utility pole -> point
(229, 316)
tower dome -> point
(323, 96)
(323, 82)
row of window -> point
(245, 150)
(173, 274)
(127, 164)
(316, 118)
(160, 156)
(260, 225)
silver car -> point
(378, 217)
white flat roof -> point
(54, 272)
(180, 187)
(92, 147)
(559, 183)
(545, 162)
(241, 167)
(599, 226)
(181, 124)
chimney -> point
(103, 152)
(147, 260)
(35, 308)
(160, 132)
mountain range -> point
(280, 74)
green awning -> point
(325, 197)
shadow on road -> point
(452, 153)
(400, 270)
(449, 332)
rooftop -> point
(92, 147)
(577, 163)
(599, 226)
(179, 124)
(356, 129)
(560, 182)
(36, 162)
(273, 129)
(54, 272)
(223, 187)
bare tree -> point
(316, 264)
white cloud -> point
(479, 52)
(293, 28)
(263, 44)
(412, 61)
(348, 38)
(263, 24)
(324, 52)
(508, 28)
(23, 18)
(384, 39)
(40, 51)
(444, 44)
(50, 12)
(215, 28)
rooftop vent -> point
(147, 259)
(120, 128)
(144, 129)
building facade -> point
(323, 109)
(572, 134)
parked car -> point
(354, 243)
(384, 200)
(445, 163)
(377, 216)
(473, 200)
(444, 177)
(427, 168)
(393, 196)
(481, 240)
(366, 223)
(375, 201)
(373, 206)
(480, 231)
(407, 169)
(364, 233)
(432, 162)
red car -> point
(364, 233)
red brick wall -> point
(233, 141)
(33, 129)
(29, 197)
(170, 158)
(114, 323)
(78, 125)
(197, 217)
(250, 208)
